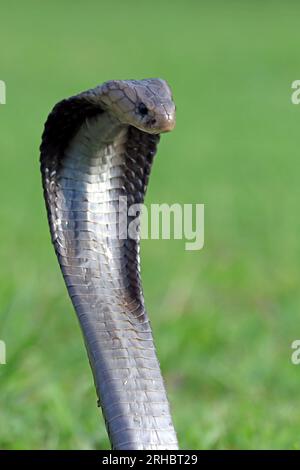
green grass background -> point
(224, 317)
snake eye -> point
(143, 110)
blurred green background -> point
(224, 317)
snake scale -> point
(97, 146)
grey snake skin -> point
(97, 146)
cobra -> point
(97, 146)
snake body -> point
(97, 146)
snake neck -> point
(103, 161)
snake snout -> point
(164, 122)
